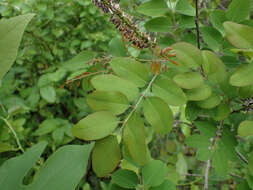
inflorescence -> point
(124, 23)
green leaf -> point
(117, 48)
(105, 156)
(153, 8)
(222, 111)
(246, 91)
(188, 55)
(211, 102)
(64, 169)
(95, 126)
(220, 160)
(240, 36)
(104, 83)
(13, 170)
(166, 185)
(134, 139)
(11, 32)
(48, 93)
(189, 80)
(198, 94)
(213, 67)
(185, 8)
(125, 178)
(217, 18)
(158, 114)
(238, 10)
(78, 62)
(181, 166)
(159, 24)
(211, 37)
(242, 76)
(245, 128)
(112, 101)
(131, 70)
(47, 126)
(154, 173)
(167, 90)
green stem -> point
(14, 133)
(139, 101)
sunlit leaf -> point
(95, 126)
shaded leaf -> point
(153, 8)
(134, 139)
(105, 156)
(125, 178)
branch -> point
(208, 166)
(14, 133)
(139, 101)
(197, 22)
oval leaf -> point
(104, 83)
(167, 90)
(241, 36)
(153, 8)
(242, 76)
(125, 178)
(245, 128)
(154, 173)
(48, 93)
(105, 156)
(131, 70)
(134, 139)
(158, 114)
(95, 126)
(189, 80)
(198, 94)
(211, 102)
(112, 101)
(213, 67)
(188, 55)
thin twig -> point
(139, 101)
(240, 155)
(14, 133)
(208, 166)
(197, 22)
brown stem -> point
(197, 22)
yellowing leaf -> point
(242, 76)
(198, 94)
(189, 80)
(188, 55)
(211, 102)
(241, 36)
